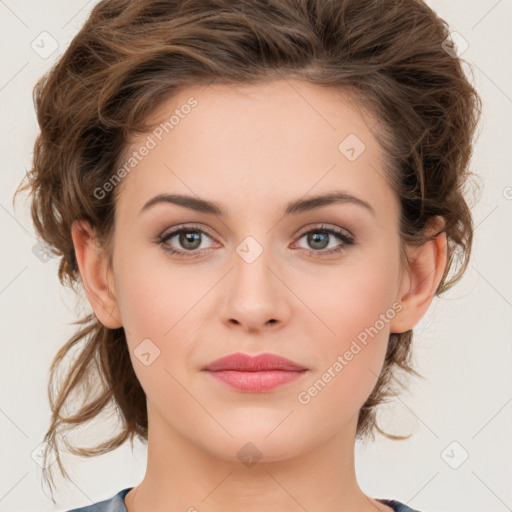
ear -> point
(420, 281)
(95, 274)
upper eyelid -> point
(183, 227)
(325, 226)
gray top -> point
(116, 504)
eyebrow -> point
(292, 208)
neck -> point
(182, 476)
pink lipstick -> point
(255, 374)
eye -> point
(319, 239)
(189, 239)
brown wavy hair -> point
(394, 56)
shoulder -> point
(114, 504)
(397, 506)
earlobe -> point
(94, 273)
(427, 264)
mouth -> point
(255, 374)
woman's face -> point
(256, 278)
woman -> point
(260, 200)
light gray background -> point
(463, 345)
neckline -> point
(122, 495)
(392, 503)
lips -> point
(257, 374)
(245, 363)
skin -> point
(195, 310)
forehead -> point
(256, 145)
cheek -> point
(161, 306)
(356, 309)
(355, 295)
(153, 296)
(153, 304)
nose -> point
(255, 297)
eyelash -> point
(346, 239)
